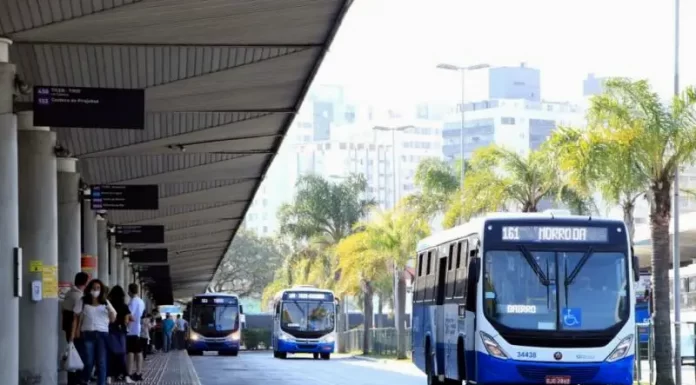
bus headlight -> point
(285, 337)
(328, 338)
(194, 336)
(492, 347)
(621, 349)
(234, 336)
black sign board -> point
(147, 256)
(139, 234)
(125, 197)
(308, 295)
(89, 107)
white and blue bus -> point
(215, 324)
(526, 298)
(304, 321)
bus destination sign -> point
(308, 295)
(215, 300)
(555, 234)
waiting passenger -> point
(72, 297)
(91, 324)
(167, 331)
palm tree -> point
(394, 234)
(360, 267)
(498, 178)
(592, 161)
(660, 139)
(436, 181)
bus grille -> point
(577, 375)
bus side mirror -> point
(636, 269)
(474, 267)
(241, 309)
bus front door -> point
(440, 315)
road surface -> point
(253, 368)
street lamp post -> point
(398, 322)
(462, 70)
(675, 246)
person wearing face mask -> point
(93, 314)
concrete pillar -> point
(103, 251)
(38, 237)
(127, 272)
(89, 237)
(9, 222)
(113, 260)
(69, 222)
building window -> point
(507, 120)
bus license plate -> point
(558, 380)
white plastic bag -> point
(71, 360)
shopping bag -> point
(71, 361)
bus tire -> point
(315, 356)
(193, 352)
(431, 377)
(461, 360)
(280, 355)
(325, 356)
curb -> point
(369, 359)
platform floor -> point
(173, 368)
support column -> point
(103, 251)
(127, 272)
(9, 221)
(38, 237)
(69, 222)
(119, 265)
(89, 240)
(113, 260)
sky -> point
(387, 50)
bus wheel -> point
(281, 355)
(193, 352)
(461, 360)
(432, 378)
(325, 356)
(315, 355)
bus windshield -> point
(556, 290)
(308, 316)
(214, 317)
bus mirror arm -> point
(636, 268)
(474, 264)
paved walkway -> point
(174, 368)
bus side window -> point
(462, 270)
(418, 281)
(450, 277)
(432, 283)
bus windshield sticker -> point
(490, 295)
(572, 317)
(293, 325)
(555, 234)
(546, 325)
(521, 309)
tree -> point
(660, 139)
(592, 161)
(394, 234)
(498, 178)
(360, 268)
(248, 265)
(437, 181)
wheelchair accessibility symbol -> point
(572, 317)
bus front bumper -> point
(294, 347)
(492, 370)
(201, 345)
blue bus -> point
(304, 321)
(528, 299)
(215, 324)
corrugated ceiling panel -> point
(173, 189)
(132, 66)
(134, 216)
(22, 15)
(117, 169)
(158, 125)
(186, 224)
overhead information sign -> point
(89, 107)
(124, 197)
(148, 256)
(139, 233)
(554, 234)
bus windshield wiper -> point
(573, 274)
(534, 265)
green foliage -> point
(498, 179)
(437, 182)
(248, 265)
(324, 210)
(253, 338)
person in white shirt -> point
(93, 313)
(133, 345)
(145, 325)
(73, 296)
(181, 326)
